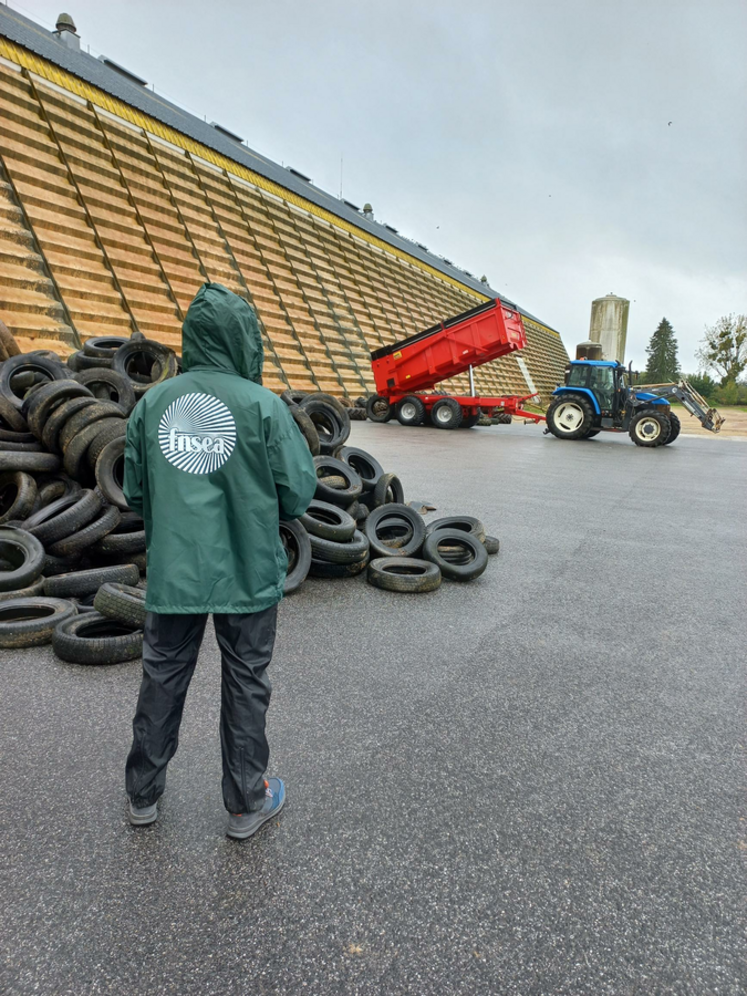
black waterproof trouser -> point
(170, 649)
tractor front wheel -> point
(570, 416)
(650, 428)
(676, 425)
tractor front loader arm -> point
(697, 405)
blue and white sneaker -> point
(242, 825)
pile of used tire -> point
(72, 554)
(358, 520)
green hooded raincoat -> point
(212, 461)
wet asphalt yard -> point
(528, 785)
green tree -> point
(703, 384)
(662, 365)
(724, 348)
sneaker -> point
(140, 817)
(242, 825)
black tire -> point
(357, 414)
(79, 583)
(327, 569)
(11, 418)
(492, 545)
(103, 347)
(591, 433)
(117, 429)
(329, 399)
(403, 574)
(470, 421)
(393, 516)
(49, 397)
(24, 555)
(64, 516)
(446, 414)
(331, 422)
(473, 551)
(30, 622)
(308, 429)
(110, 472)
(675, 425)
(18, 494)
(54, 487)
(117, 542)
(159, 360)
(570, 416)
(328, 467)
(378, 409)
(74, 545)
(648, 428)
(122, 601)
(84, 419)
(34, 363)
(466, 523)
(292, 398)
(109, 385)
(388, 489)
(351, 552)
(11, 447)
(298, 550)
(74, 460)
(366, 467)
(411, 411)
(34, 590)
(328, 521)
(60, 565)
(80, 361)
(59, 418)
(34, 463)
(503, 418)
(95, 639)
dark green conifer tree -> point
(662, 365)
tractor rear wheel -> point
(410, 410)
(570, 416)
(378, 409)
(446, 414)
(674, 421)
(650, 428)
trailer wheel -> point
(570, 416)
(378, 409)
(676, 425)
(650, 428)
(410, 411)
(469, 421)
(446, 414)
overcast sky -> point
(564, 149)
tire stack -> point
(358, 520)
(71, 552)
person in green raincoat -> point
(213, 460)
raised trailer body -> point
(407, 372)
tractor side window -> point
(578, 377)
(603, 385)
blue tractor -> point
(598, 397)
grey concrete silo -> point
(609, 325)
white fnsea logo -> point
(197, 433)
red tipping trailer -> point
(407, 372)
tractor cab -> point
(605, 383)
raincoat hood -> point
(221, 332)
